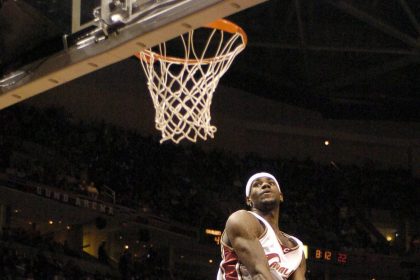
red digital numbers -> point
(342, 258)
(327, 255)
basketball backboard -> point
(44, 44)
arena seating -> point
(325, 205)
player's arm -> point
(243, 231)
(299, 273)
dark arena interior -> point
(325, 96)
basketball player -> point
(253, 246)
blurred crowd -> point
(26, 255)
(323, 204)
(22, 258)
(33, 238)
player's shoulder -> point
(241, 215)
(242, 218)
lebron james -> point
(253, 246)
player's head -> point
(263, 189)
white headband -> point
(255, 177)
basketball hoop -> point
(182, 88)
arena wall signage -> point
(75, 200)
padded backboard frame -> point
(73, 63)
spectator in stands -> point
(92, 191)
(102, 254)
(125, 264)
(83, 186)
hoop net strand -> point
(182, 89)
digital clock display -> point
(330, 256)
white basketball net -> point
(182, 88)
